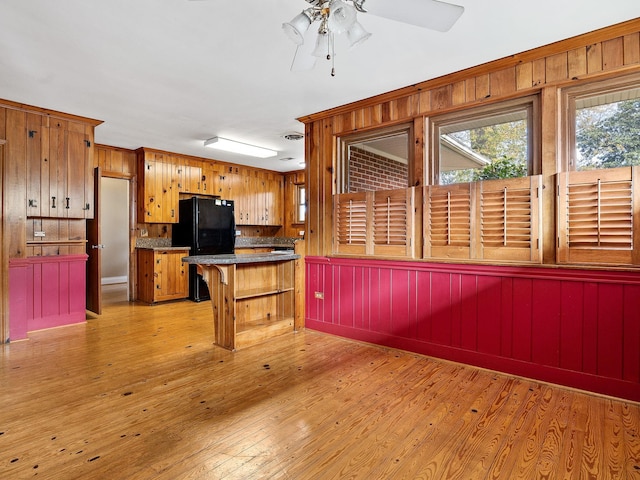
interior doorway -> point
(114, 227)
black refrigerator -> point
(208, 227)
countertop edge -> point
(164, 248)
(241, 258)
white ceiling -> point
(168, 74)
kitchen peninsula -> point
(253, 296)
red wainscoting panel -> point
(579, 328)
(46, 292)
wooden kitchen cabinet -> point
(258, 195)
(259, 201)
(158, 192)
(162, 275)
(59, 168)
(189, 176)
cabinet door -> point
(170, 276)
(76, 203)
(181, 175)
(151, 184)
(158, 192)
(195, 179)
(146, 279)
(37, 166)
(170, 193)
(208, 184)
(57, 169)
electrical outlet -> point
(238, 233)
(38, 234)
(144, 232)
(319, 295)
(301, 233)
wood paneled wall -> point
(605, 53)
(577, 328)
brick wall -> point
(371, 172)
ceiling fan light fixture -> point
(227, 145)
(296, 28)
(341, 16)
(322, 45)
(357, 35)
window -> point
(486, 143)
(598, 211)
(301, 204)
(604, 125)
(375, 161)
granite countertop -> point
(233, 259)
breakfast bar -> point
(252, 295)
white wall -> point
(114, 229)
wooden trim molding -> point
(520, 61)
(45, 111)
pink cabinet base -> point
(46, 292)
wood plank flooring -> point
(141, 393)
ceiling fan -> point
(335, 17)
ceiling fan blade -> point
(303, 60)
(431, 14)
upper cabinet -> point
(158, 191)
(163, 177)
(259, 198)
(59, 168)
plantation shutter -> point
(598, 215)
(448, 221)
(350, 223)
(509, 215)
(393, 222)
(374, 223)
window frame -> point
(569, 96)
(300, 205)
(434, 123)
(344, 141)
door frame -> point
(131, 178)
(4, 256)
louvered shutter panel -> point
(350, 223)
(393, 222)
(509, 215)
(448, 221)
(597, 212)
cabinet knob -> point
(53, 202)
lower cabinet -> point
(162, 275)
(46, 292)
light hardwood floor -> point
(141, 393)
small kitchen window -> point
(301, 204)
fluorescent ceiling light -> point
(238, 147)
